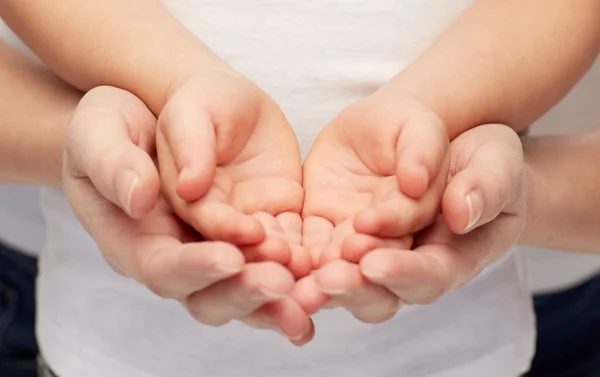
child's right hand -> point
(230, 166)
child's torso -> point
(314, 57)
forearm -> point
(135, 44)
(35, 107)
(505, 61)
(563, 184)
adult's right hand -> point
(113, 187)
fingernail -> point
(374, 270)
(475, 203)
(224, 270)
(295, 339)
(334, 292)
(292, 339)
(264, 294)
(126, 182)
(227, 264)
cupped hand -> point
(483, 215)
(113, 187)
(230, 166)
(374, 176)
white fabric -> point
(314, 57)
(22, 224)
(552, 270)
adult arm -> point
(563, 192)
(35, 107)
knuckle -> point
(204, 318)
(156, 287)
(152, 279)
(204, 311)
(108, 158)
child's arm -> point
(135, 44)
(563, 185)
(35, 107)
(505, 61)
(138, 46)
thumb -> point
(421, 151)
(190, 143)
(108, 141)
(488, 182)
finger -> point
(101, 145)
(357, 245)
(445, 261)
(174, 270)
(317, 232)
(156, 259)
(487, 184)
(274, 248)
(421, 151)
(286, 317)
(237, 297)
(417, 277)
(344, 282)
(290, 224)
(308, 295)
(189, 139)
(300, 262)
(333, 251)
(219, 221)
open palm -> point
(374, 176)
(113, 187)
(230, 166)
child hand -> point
(374, 176)
(230, 166)
(378, 169)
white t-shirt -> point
(314, 58)
(552, 270)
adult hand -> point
(113, 187)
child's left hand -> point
(374, 176)
(373, 277)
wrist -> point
(207, 68)
(534, 198)
(425, 89)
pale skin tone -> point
(563, 194)
(484, 76)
